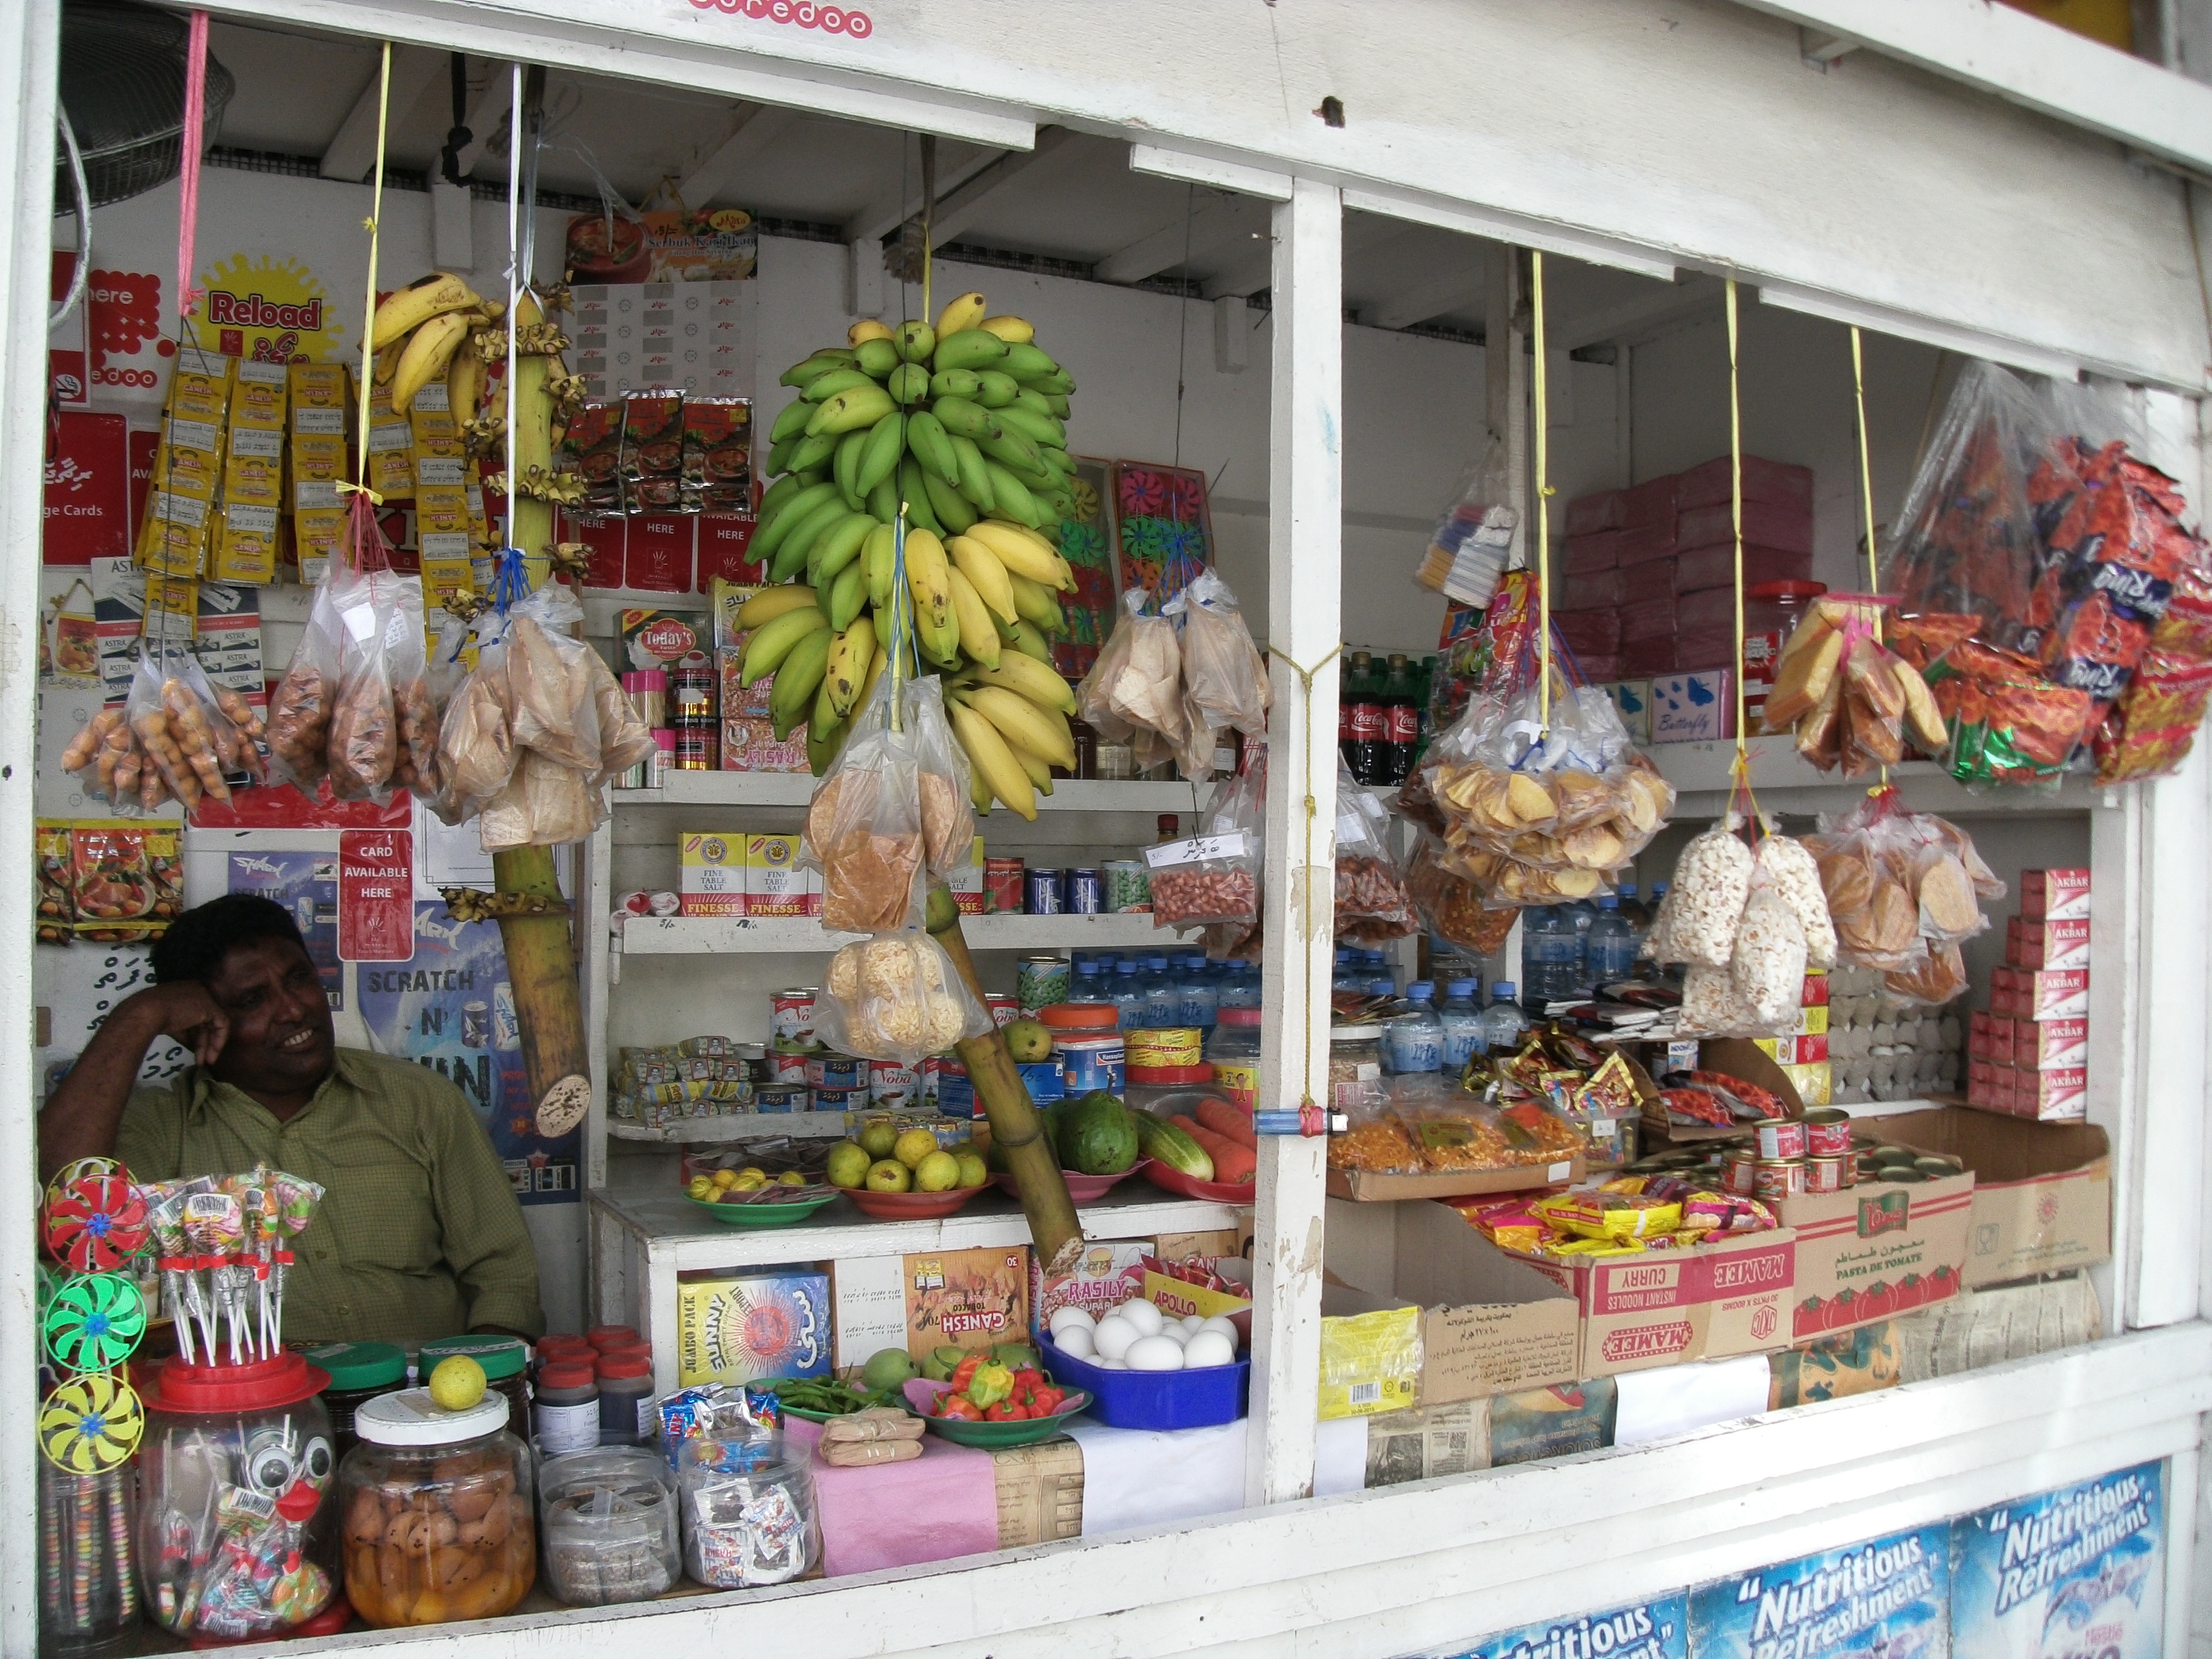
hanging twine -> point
(1542, 554)
(188, 177)
(1866, 496)
(359, 486)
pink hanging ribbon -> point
(188, 201)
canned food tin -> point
(1045, 1079)
(1040, 982)
(1129, 885)
(1828, 1134)
(925, 1077)
(1937, 1167)
(1005, 1011)
(1045, 892)
(788, 1068)
(956, 1091)
(697, 748)
(791, 1018)
(1827, 1175)
(827, 1070)
(1777, 1178)
(841, 1100)
(1174, 1046)
(1086, 894)
(1736, 1172)
(781, 1097)
(1782, 1140)
(1088, 1063)
(891, 1085)
(1002, 886)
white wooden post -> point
(1305, 574)
(29, 63)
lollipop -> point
(97, 1223)
(296, 1199)
(90, 1425)
(215, 1225)
(179, 1284)
(94, 1322)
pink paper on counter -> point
(943, 1503)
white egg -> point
(1209, 1348)
(1155, 1353)
(1175, 1333)
(1192, 1321)
(1063, 1317)
(1113, 1364)
(1143, 1315)
(1227, 1326)
(1075, 1339)
(1112, 1337)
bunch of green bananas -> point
(959, 426)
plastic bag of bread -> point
(550, 683)
(1136, 684)
(476, 748)
(896, 997)
(948, 818)
(1225, 682)
(864, 826)
(1938, 977)
(1851, 701)
(543, 804)
(382, 637)
(1898, 882)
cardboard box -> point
(2054, 895)
(1649, 616)
(2040, 1045)
(659, 638)
(1713, 482)
(1704, 569)
(2043, 1193)
(965, 1298)
(748, 744)
(774, 885)
(1651, 502)
(1107, 1275)
(1664, 1306)
(2040, 993)
(1693, 708)
(1589, 514)
(1836, 1366)
(710, 874)
(1632, 700)
(1587, 553)
(1877, 1250)
(1980, 1328)
(1040, 1493)
(733, 1330)
(1786, 526)
(1490, 1324)
(1365, 1186)
(1802, 1050)
(966, 882)
(2063, 943)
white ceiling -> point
(1074, 199)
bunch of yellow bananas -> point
(959, 426)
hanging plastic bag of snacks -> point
(1372, 904)
(1135, 687)
(551, 706)
(300, 708)
(1903, 889)
(1696, 923)
(1214, 875)
(943, 773)
(1452, 906)
(1225, 682)
(864, 826)
(896, 997)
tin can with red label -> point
(1827, 1134)
(1005, 1011)
(890, 1085)
(1736, 1172)
(1002, 887)
(1777, 1178)
(1827, 1175)
(788, 1068)
(791, 1019)
(1781, 1141)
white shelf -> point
(1701, 773)
(797, 788)
(732, 1125)
(675, 1236)
(715, 936)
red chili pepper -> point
(1046, 1402)
(1005, 1412)
(1028, 1376)
(959, 1405)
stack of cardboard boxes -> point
(2028, 1051)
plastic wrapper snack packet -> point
(1214, 875)
(1372, 903)
(1225, 682)
(864, 826)
(551, 709)
(1452, 905)
(948, 819)
(1697, 920)
(896, 997)
(1136, 684)
(300, 707)
(543, 804)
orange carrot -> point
(1231, 1163)
(1229, 1121)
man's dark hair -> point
(198, 941)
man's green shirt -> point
(418, 1235)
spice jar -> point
(748, 1514)
(438, 1524)
(505, 1361)
(1355, 1066)
(608, 1521)
(358, 1371)
(237, 1532)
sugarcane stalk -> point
(541, 967)
(1016, 1130)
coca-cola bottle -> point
(1349, 689)
(1369, 732)
(1401, 722)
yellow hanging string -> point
(1302, 882)
(1542, 552)
(359, 486)
(1866, 494)
(1735, 507)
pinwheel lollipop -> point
(90, 1425)
(97, 1223)
(94, 1323)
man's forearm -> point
(87, 1110)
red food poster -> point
(657, 558)
(87, 489)
(69, 354)
(603, 536)
(376, 895)
(724, 539)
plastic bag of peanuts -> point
(1214, 875)
(176, 737)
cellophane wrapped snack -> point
(1903, 889)
(1136, 685)
(300, 706)
(864, 828)
(897, 998)
(1372, 904)
(1535, 814)
(1851, 700)
(1225, 682)
(948, 818)
(1746, 923)
(1696, 923)
(171, 739)
(1214, 876)
(1452, 905)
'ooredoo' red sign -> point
(376, 895)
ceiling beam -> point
(902, 202)
(1640, 317)
(752, 128)
(1253, 269)
(352, 152)
(1431, 298)
(1016, 171)
(1217, 220)
(493, 98)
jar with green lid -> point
(358, 1371)
(505, 1359)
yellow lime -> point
(791, 1178)
(725, 1178)
(974, 1172)
(457, 1384)
(889, 1175)
(703, 1189)
(938, 1173)
(848, 1165)
(878, 1139)
(913, 1146)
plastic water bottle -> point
(1086, 988)
(1162, 997)
(1199, 996)
(1462, 1025)
(1550, 956)
(1347, 977)
(1414, 1041)
(1584, 914)
(1631, 909)
(1240, 986)
(1612, 942)
(1383, 985)
(1128, 1000)
(1502, 1021)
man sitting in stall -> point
(418, 1235)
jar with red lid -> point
(1771, 611)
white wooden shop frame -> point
(1660, 134)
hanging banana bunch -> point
(961, 424)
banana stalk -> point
(1016, 1129)
(541, 966)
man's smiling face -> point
(281, 1040)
